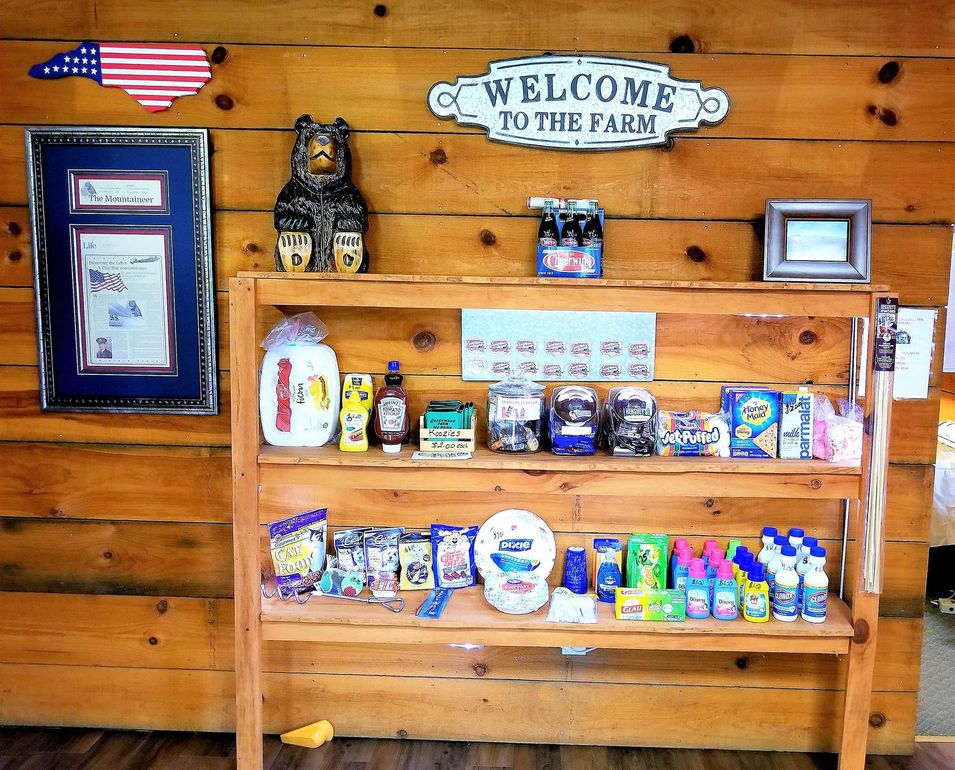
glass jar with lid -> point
(515, 412)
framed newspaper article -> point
(122, 255)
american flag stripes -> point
(100, 281)
(154, 75)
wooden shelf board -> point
(455, 292)
(469, 619)
(488, 472)
(485, 459)
(852, 288)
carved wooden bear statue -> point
(320, 215)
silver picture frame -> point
(817, 240)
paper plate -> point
(515, 540)
(516, 593)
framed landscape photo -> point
(122, 257)
(817, 240)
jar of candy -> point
(515, 411)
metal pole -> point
(853, 387)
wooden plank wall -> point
(115, 555)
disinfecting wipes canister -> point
(795, 425)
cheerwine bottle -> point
(593, 232)
(548, 233)
(570, 234)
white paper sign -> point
(579, 102)
(913, 352)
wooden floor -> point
(80, 749)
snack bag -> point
(350, 550)
(417, 564)
(453, 549)
(381, 560)
(692, 434)
(297, 545)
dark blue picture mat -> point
(56, 161)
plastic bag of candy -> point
(837, 437)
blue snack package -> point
(453, 549)
(434, 604)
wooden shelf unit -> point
(850, 630)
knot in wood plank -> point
(889, 71)
(682, 44)
(424, 341)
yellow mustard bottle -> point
(355, 417)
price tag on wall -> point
(914, 345)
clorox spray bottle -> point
(802, 564)
(815, 596)
(772, 567)
(786, 587)
(766, 554)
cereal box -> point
(754, 421)
(795, 424)
(637, 604)
(647, 561)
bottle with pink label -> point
(725, 593)
(697, 591)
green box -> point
(647, 559)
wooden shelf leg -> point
(245, 528)
(855, 722)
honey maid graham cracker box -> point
(753, 415)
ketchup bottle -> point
(391, 411)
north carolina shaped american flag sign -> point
(153, 75)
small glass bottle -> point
(593, 232)
(570, 234)
(548, 233)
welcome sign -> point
(579, 102)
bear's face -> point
(321, 158)
(322, 155)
